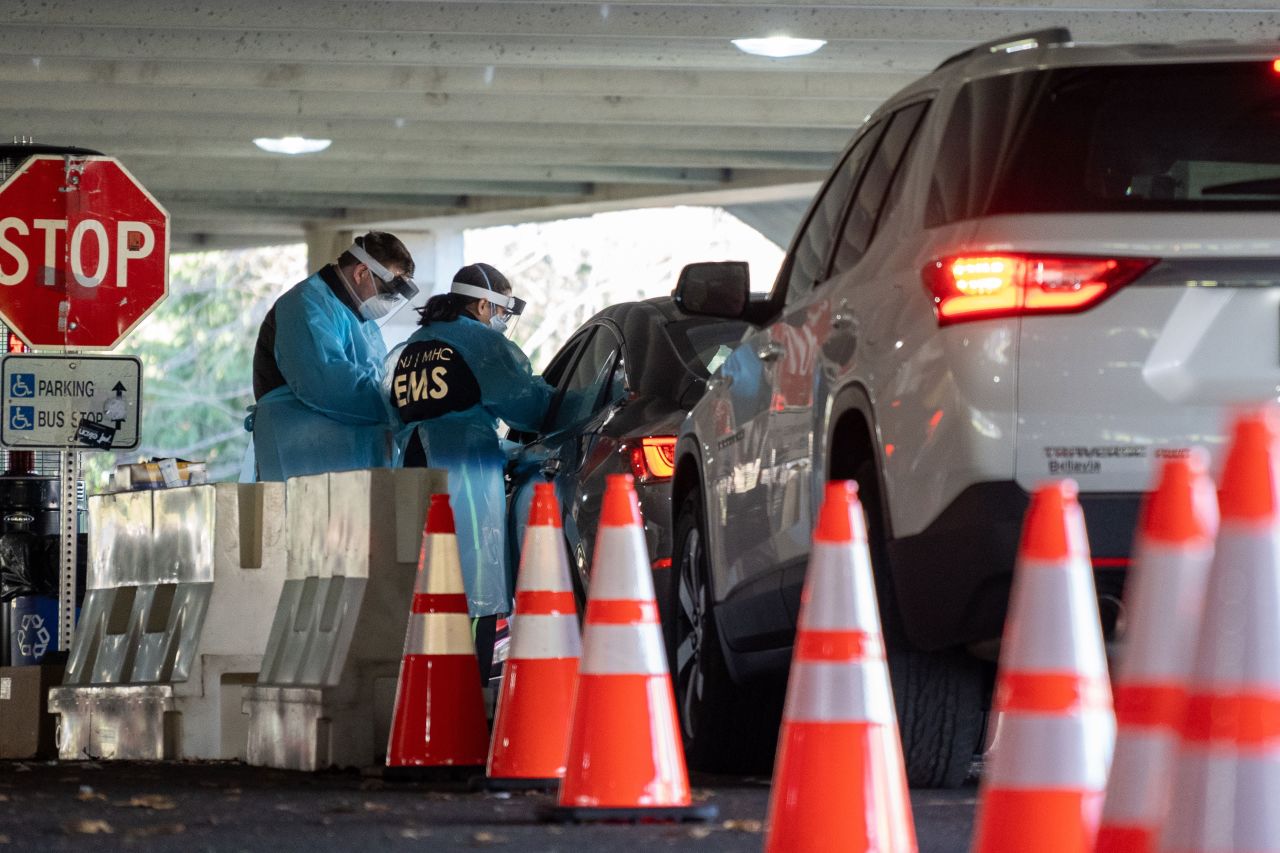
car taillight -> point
(980, 287)
(654, 458)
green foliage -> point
(197, 357)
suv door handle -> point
(769, 352)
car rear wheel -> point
(939, 695)
(726, 728)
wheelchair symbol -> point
(22, 385)
(22, 417)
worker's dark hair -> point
(446, 307)
(385, 248)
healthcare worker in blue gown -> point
(448, 386)
(318, 366)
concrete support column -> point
(324, 244)
(437, 255)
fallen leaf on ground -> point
(87, 827)
(699, 795)
(699, 832)
(4, 798)
(744, 825)
(414, 834)
(376, 807)
(158, 802)
(488, 838)
(88, 795)
(156, 829)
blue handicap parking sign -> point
(22, 417)
(22, 385)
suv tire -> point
(726, 727)
(939, 695)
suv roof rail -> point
(1019, 41)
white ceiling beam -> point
(380, 79)
(424, 136)
(174, 178)
(433, 20)
(232, 153)
(211, 103)
(901, 55)
(316, 172)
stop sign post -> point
(84, 252)
(84, 256)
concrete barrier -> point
(325, 692)
(181, 587)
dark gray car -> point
(624, 382)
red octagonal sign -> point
(84, 252)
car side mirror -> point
(714, 288)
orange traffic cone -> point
(535, 706)
(439, 712)
(625, 761)
(1164, 597)
(1227, 774)
(1042, 789)
(839, 783)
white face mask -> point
(498, 323)
(378, 306)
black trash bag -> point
(28, 566)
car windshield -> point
(1184, 137)
(704, 344)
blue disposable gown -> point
(330, 416)
(449, 384)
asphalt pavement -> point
(226, 807)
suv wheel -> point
(939, 695)
(726, 728)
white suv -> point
(1040, 260)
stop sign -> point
(84, 252)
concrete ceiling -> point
(494, 109)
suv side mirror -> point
(714, 288)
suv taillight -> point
(980, 287)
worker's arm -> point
(313, 350)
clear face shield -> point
(506, 308)
(393, 292)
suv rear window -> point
(1185, 137)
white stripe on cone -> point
(624, 650)
(1043, 634)
(616, 549)
(442, 574)
(844, 692)
(1064, 746)
(1224, 803)
(1241, 613)
(439, 634)
(1168, 590)
(841, 596)
(544, 567)
(537, 636)
(1140, 769)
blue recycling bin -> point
(33, 628)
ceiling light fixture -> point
(292, 144)
(778, 47)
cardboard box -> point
(27, 730)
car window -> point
(703, 345)
(1104, 139)
(874, 186)
(809, 257)
(595, 381)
